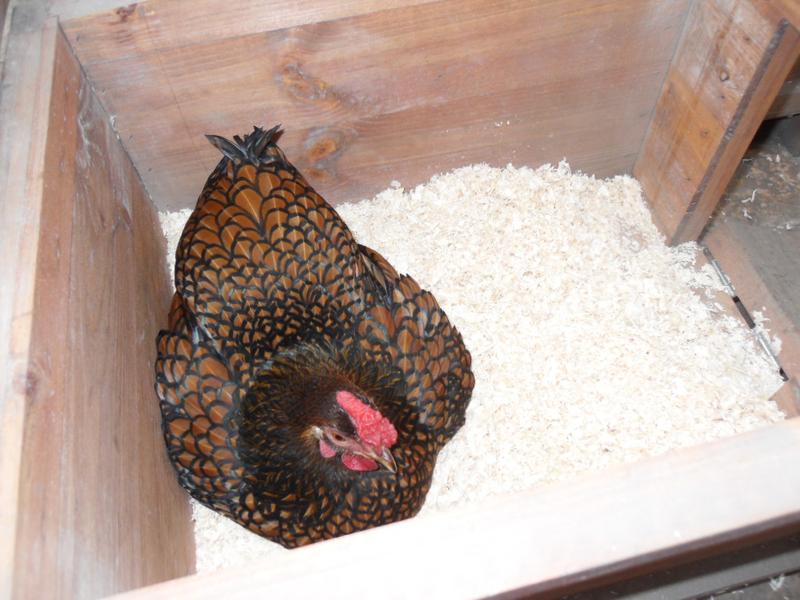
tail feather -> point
(253, 148)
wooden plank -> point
(165, 534)
(157, 25)
(73, 9)
(391, 94)
(788, 9)
(788, 100)
(99, 510)
(732, 60)
(48, 369)
(546, 539)
(27, 80)
(707, 578)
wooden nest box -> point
(104, 108)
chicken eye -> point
(336, 437)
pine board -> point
(99, 510)
(23, 134)
(369, 97)
(731, 63)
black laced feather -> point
(250, 149)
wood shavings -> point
(760, 320)
(776, 583)
(590, 347)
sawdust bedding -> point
(593, 343)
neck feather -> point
(296, 390)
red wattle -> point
(358, 463)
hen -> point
(306, 388)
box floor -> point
(600, 290)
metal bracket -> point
(760, 336)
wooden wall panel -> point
(72, 9)
(733, 58)
(46, 431)
(365, 98)
(99, 509)
(157, 25)
(24, 102)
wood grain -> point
(99, 510)
(788, 9)
(541, 541)
(158, 25)
(401, 93)
(732, 60)
(27, 79)
(73, 9)
(48, 374)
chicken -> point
(306, 388)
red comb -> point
(372, 427)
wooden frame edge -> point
(650, 513)
(696, 138)
(24, 119)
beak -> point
(387, 460)
(384, 459)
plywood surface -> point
(98, 507)
(732, 60)
(368, 97)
